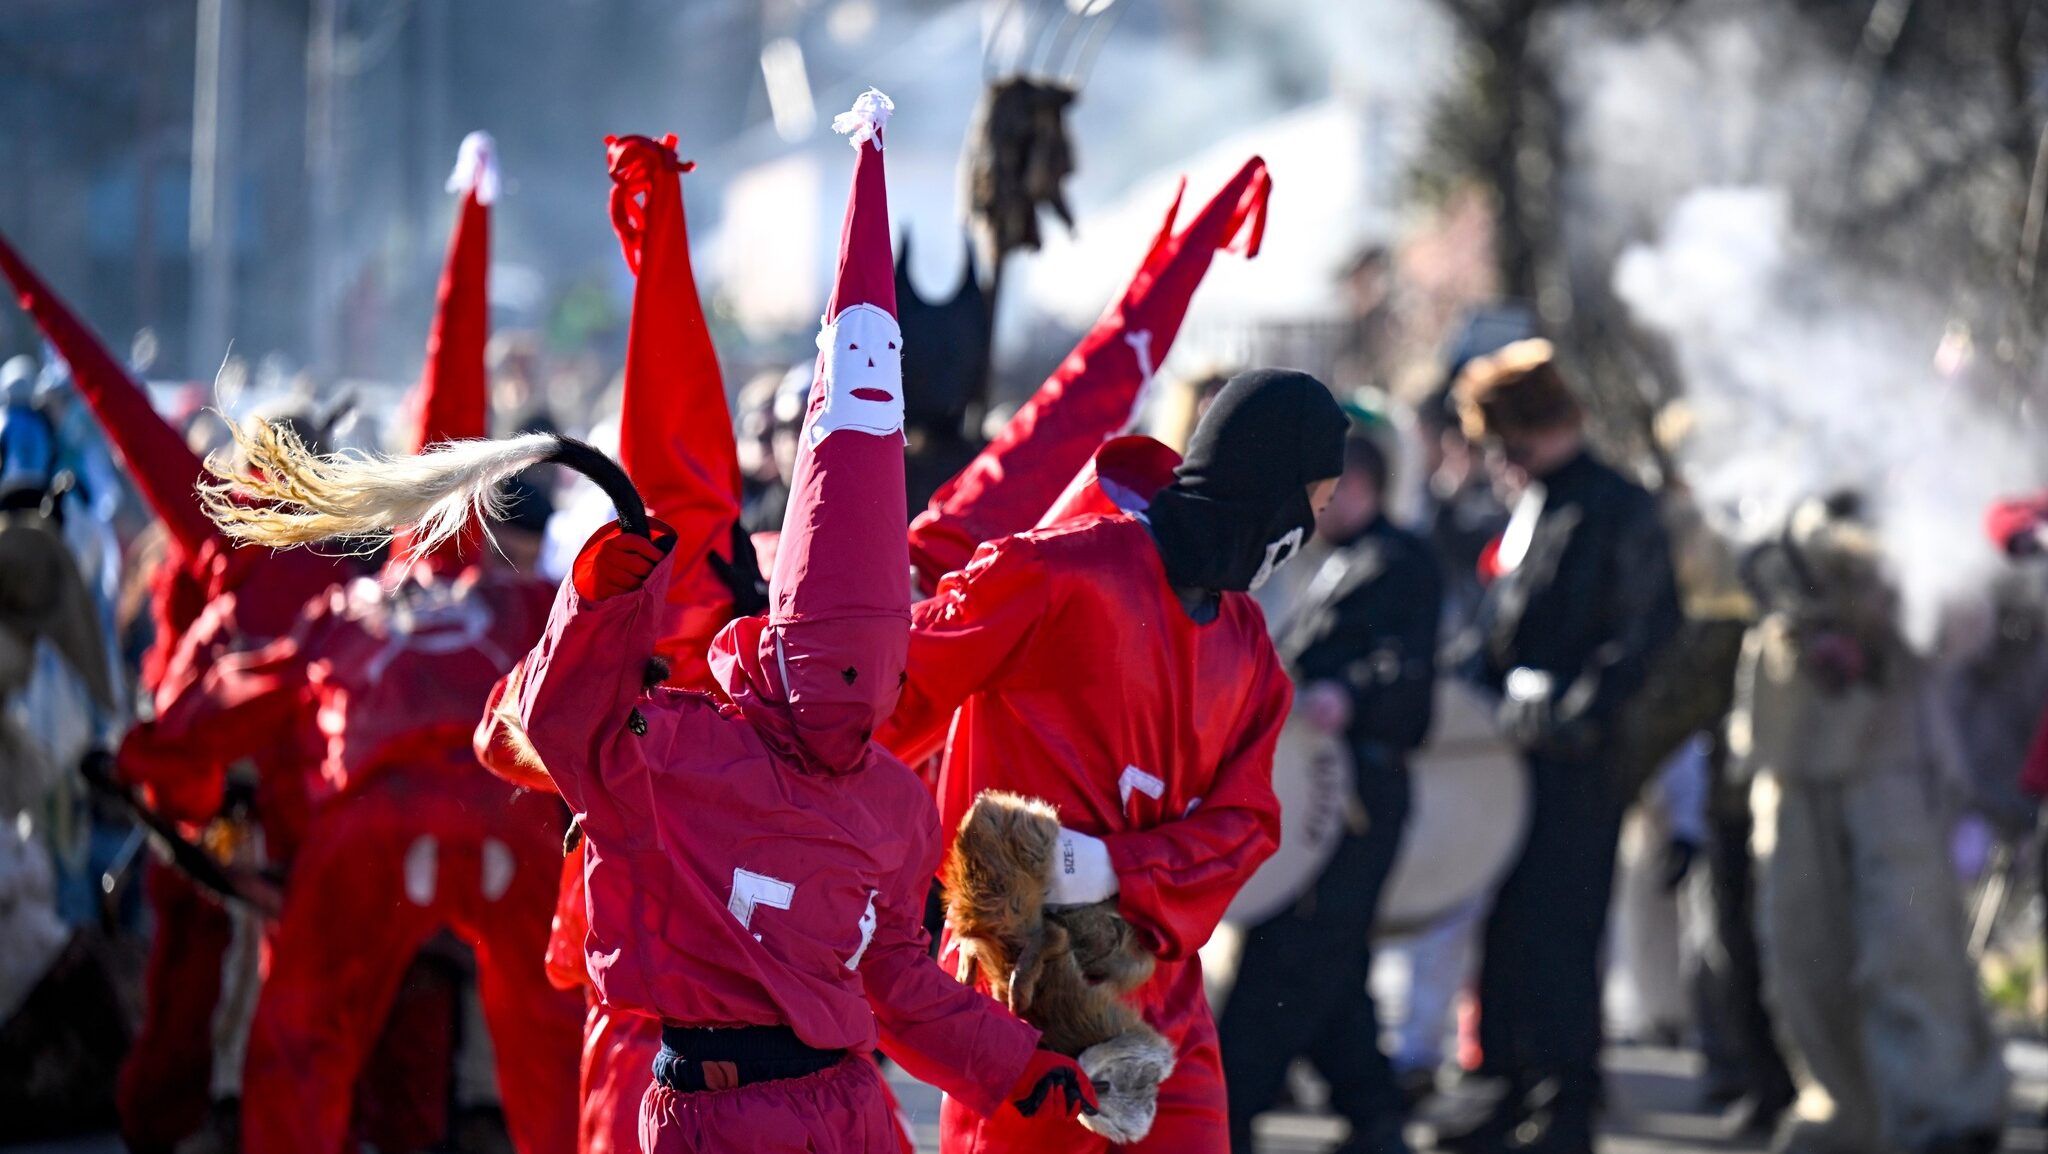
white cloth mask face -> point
(863, 374)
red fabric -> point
(841, 1110)
(1193, 1118)
(1065, 668)
(614, 561)
(1071, 662)
(166, 1080)
(177, 595)
(410, 853)
(1123, 473)
(1094, 391)
(818, 676)
(618, 1053)
(2013, 525)
(679, 807)
(2034, 773)
(258, 597)
(162, 466)
(388, 680)
(453, 401)
(675, 430)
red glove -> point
(614, 561)
(1048, 1073)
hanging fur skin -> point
(1064, 969)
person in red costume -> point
(755, 866)
(408, 835)
(1116, 667)
(677, 447)
(202, 603)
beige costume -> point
(1862, 927)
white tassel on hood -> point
(476, 166)
(866, 119)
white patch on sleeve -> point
(863, 374)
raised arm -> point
(236, 705)
(577, 688)
(960, 638)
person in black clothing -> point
(1361, 645)
(1584, 596)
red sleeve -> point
(946, 1034)
(1013, 481)
(1175, 880)
(501, 746)
(961, 637)
(579, 683)
(243, 703)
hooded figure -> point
(407, 834)
(1116, 670)
(785, 854)
(677, 447)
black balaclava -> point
(1238, 507)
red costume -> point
(676, 444)
(408, 834)
(1078, 678)
(754, 860)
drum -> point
(1467, 818)
(1312, 777)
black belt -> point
(696, 1058)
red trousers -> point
(842, 1110)
(618, 1066)
(166, 1081)
(382, 870)
(1194, 1116)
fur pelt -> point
(1064, 969)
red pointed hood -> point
(165, 469)
(675, 437)
(1096, 391)
(824, 668)
(453, 400)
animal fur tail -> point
(284, 494)
(1064, 969)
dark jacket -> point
(1592, 601)
(1368, 621)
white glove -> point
(1081, 873)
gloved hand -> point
(1679, 854)
(1081, 871)
(615, 561)
(1049, 1073)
